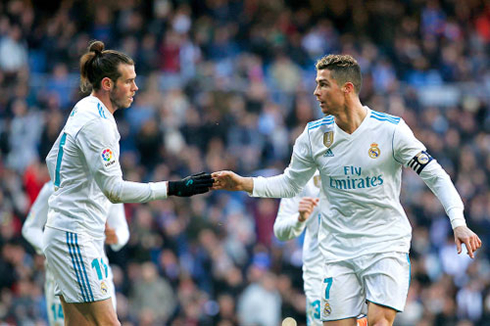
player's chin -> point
(126, 105)
(325, 110)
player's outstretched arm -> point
(462, 234)
(194, 184)
(229, 180)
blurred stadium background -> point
(228, 84)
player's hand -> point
(194, 184)
(110, 235)
(462, 234)
(306, 206)
(229, 180)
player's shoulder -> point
(316, 124)
(88, 110)
(384, 118)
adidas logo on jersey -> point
(328, 153)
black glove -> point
(194, 184)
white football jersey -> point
(84, 167)
(361, 179)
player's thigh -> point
(71, 315)
(380, 315)
(342, 296)
(79, 266)
(97, 313)
(387, 279)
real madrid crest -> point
(327, 310)
(374, 151)
(317, 181)
(103, 287)
(328, 139)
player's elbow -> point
(277, 233)
(113, 197)
(280, 235)
(25, 232)
(112, 190)
(112, 193)
(293, 191)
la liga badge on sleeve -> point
(108, 157)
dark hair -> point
(344, 69)
(98, 63)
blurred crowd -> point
(227, 84)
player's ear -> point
(348, 88)
(106, 84)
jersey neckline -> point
(359, 129)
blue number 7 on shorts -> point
(329, 281)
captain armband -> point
(420, 161)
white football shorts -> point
(381, 278)
(78, 264)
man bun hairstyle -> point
(97, 47)
(344, 68)
(97, 63)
